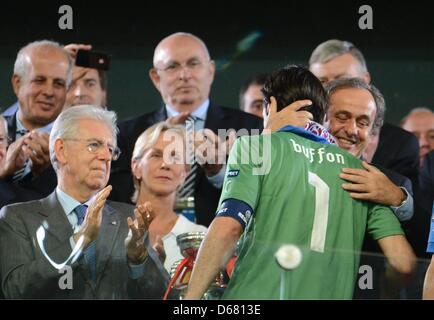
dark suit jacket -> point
(42, 185)
(424, 198)
(398, 150)
(11, 194)
(206, 195)
(26, 273)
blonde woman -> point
(159, 169)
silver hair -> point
(333, 48)
(413, 111)
(184, 34)
(21, 66)
(357, 83)
(66, 125)
(147, 140)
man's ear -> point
(16, 83)
(155, 77)
(60, 151)
(367, 77)
(212, 69)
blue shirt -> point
(68, 204)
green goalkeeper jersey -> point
(293, 186)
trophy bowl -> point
(189, 243)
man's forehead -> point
(87, 73)
(179, 49)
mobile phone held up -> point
(92, 59)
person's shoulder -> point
(19, 208)
(389, 129)
(142, 121)
(238, 113)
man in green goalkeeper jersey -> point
(294, 196)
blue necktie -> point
(89, 252)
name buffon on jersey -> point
(318, 155)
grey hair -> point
(147, 140)
(66, 125)
(413, 111)
(21, 66)
(357, 83)
(333, 48)
(183, 34)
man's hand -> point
(92, 222)
(16, 157)
(74, 47)
(288, 116)
(37, 144)
(211, 150)
(372, 185)
(135, 244)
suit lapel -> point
(159, 115)
(107, 236)
(214, 118)
(58, 223)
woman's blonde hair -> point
(147, 140)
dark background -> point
(399, 50)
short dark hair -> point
(102, 79)
(255, 80)
(293, 83)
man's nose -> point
(351, 127)
(185, 72)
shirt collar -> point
(68, 203)
(21, 127)
(198, 113)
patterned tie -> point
(89, 252)
(19, 174)
(187, 189)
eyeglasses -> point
(95, 146)
(175, 67)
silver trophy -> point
(180, 272)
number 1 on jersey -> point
(319, 229)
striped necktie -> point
(89, 252)
(187, 189)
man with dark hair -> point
(297, 201)
(89, 81)
(250, 95)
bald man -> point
(183, 73)
(420, 122)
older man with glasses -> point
(113, 260)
